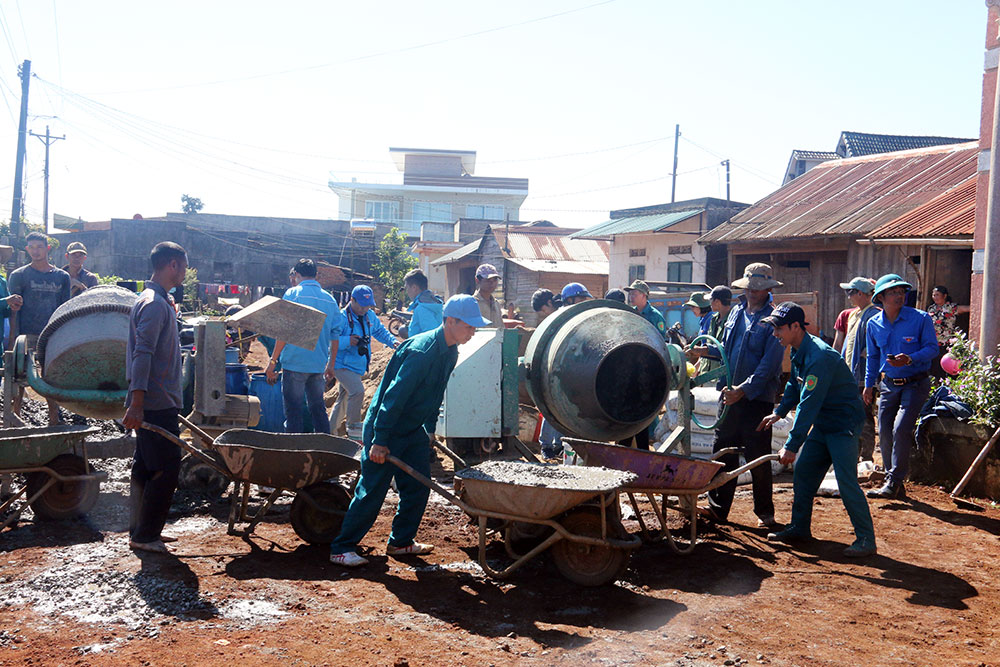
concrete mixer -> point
(596, 370)
(79, 361)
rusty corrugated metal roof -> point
(950, 214)
(551, 247)
(851, 197)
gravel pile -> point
(36, 413)
(570, 478)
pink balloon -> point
(950, 365)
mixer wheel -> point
(314, 525)
(63, 500)
(586, 564)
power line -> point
(369, 56)
(24, 33)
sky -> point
(254, 106)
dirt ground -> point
(73, 593)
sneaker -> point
(767, 522)
(349, 559)
(888, 490)
(415, 549)
(789, 536)
(860, 549)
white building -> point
(438, 186)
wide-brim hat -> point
(698, 300)
(757, 276)
(886, 282)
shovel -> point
(962, 502)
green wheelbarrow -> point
(59, 483)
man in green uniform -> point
(400, 421)
(827, 426)
(638, 298)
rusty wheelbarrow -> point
(302, 464)
(668, 476)
(578, 511)
(58, 484)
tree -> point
(392, 261)
(191, 204)
(191, 288)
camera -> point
(364, 345)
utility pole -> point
(48, 140)
(673, 181)
(22, 132)
(989, 332)
(726, 164)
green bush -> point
(977, 382)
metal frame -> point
(54, 477)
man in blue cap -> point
(400, 421)
(305, 372)
(828, 419)
(575, 293)
(358, 327)
(901, 345)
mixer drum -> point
(83, 345)
(598, 370)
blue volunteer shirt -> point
(353, 325)
(912, 334)
(428, 313)
(298, 359)
(705, 324)
(753, 351)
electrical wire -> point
(369, 56)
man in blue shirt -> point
(638, 298)
(828, 419)
(401, 421)
(901, 345)
(304, 372)
(755, 365)
(358, 327)
(426, 306)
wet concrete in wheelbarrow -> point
(73, 593)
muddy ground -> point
(73, 593)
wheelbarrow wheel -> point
(63, 500)
(315, 525)
(196, 475)
(586, 564)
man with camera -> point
(358, 326)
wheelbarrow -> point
(588, 543)
(301, 464)
(59, 484)
(668, 476)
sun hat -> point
(886, 282)
(465, 307)
(757, 276)
(698, 300)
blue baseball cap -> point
(464, 307)
(363, 296)
(575, 289)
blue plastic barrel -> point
(232, 355)
(237, 380)
(272, 406)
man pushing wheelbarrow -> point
(401, 421)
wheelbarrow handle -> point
(726, 477)
(191, 449)
(205, 437)
(447, 450)
(426, 481)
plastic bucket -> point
(237, 380)
(272, 406)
